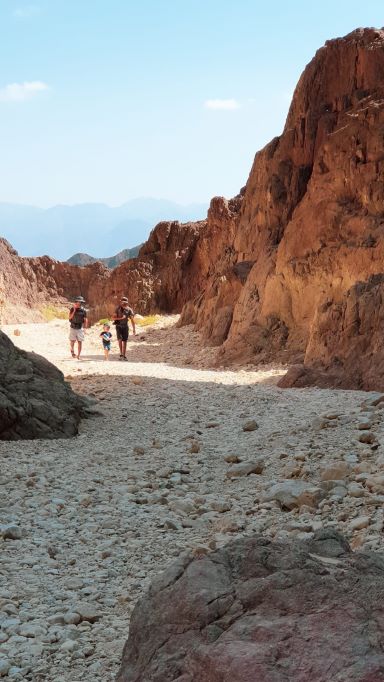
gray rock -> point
(359, 523)
(87, 612)
(251, 425)
(246, 468)
(290, 494)
(208, 618)
(11, 532)
(35, 401)
(5, 665)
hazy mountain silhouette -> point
(62, 230)
(111, 262)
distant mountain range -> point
(61, 231)
(111, 262)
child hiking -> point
(106, 339)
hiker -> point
(78, 319)
(106, 337)
(123, 313)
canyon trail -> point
(181, 456)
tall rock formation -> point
(310, 231)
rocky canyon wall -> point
(292, 268)
(310, 232)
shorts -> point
(122, 332)
(76, 334)
(107, 346)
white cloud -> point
(222, 104)
(26, 12)
(19, 92)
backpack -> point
(78, 318)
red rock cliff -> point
(311, 226)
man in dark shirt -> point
(77, 319)
(123, 313)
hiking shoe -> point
(124, 357)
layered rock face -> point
(257, 610)
(310, 232)
(35, 401)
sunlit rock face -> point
(307, 244)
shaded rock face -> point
(256, 610)
(35, 401)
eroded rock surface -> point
(307, 244)
(35, 401)
(261, 610)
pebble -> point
(4, 666)
(359, 523)
(252, 425)
(246, 468)
(11, 532)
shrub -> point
(51, 312)
(147, 320)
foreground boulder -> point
(35, 401)
(262, 611)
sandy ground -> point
(154, 474)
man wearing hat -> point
(123, 313)
(78, 320)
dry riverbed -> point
(181, 456)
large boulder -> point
(262, 611)
(35, 401)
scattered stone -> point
(359, 523)
(194, 447)
(11, 532)
(232, 459)
(5, 665)
(246, 468)
(290, 494)
(365, 424)
(72, 618)
(87, 612)
(221, 506)
(368, 437)
(336, 471)
(250, 425)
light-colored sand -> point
(102, 513)
(161, 351)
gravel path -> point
(180, 456)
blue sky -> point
(106, 100)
